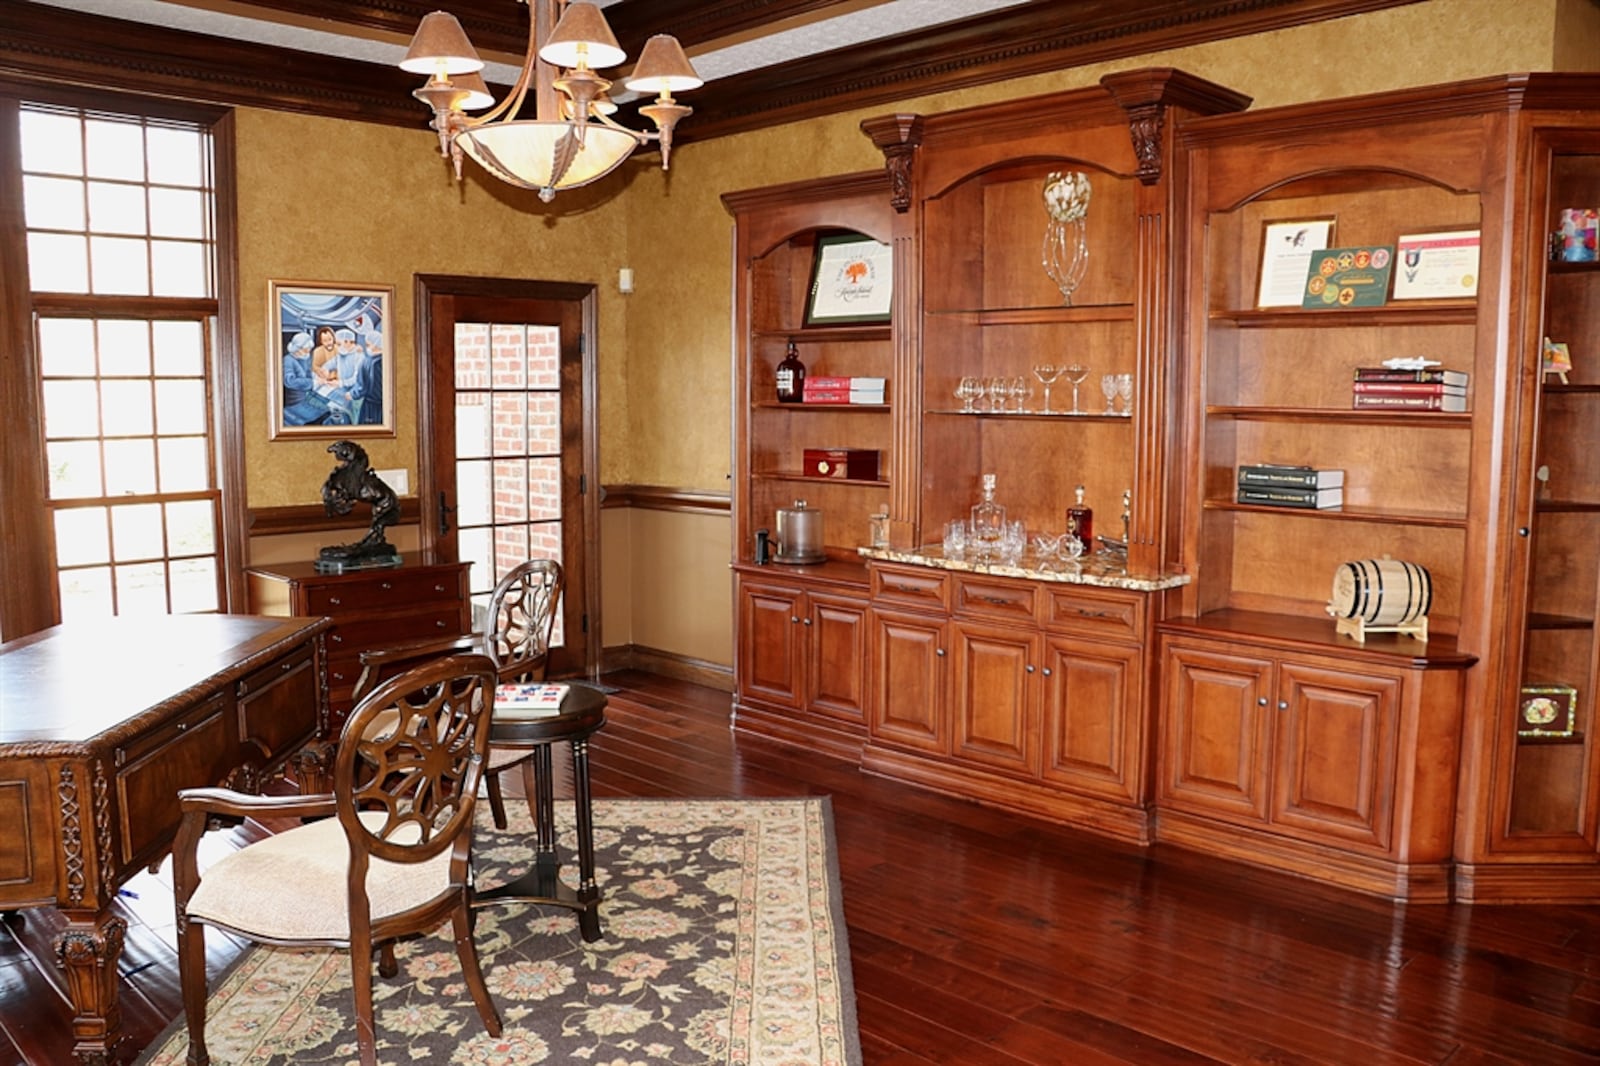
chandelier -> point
(572, 140)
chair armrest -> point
(419, 649)
(225, 801)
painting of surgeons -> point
(328, 371)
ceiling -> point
(764, 61)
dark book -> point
(1408, 388)
(1427, 375)
(1309, 499)
(1268, 475)
(1366, 401)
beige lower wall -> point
(665, 583)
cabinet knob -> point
(441, 624)
(1047, 671)
(806, 622)
(939, 652)
(1261, 701)
(1522, 531)
(1283, 705)
(793, 619)
(336, 601)
(1029, 668)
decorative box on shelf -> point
(854, 463)
(1547, 711)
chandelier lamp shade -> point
(572, 139)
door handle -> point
(445, 511)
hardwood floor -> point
(984, 938)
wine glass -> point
(1047, 374)
(997, 388)
(1125, 393)
(1075, 374)
(967, 391)
(1017, 389)
(1108, 386)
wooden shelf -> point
(1317, 635)
(1574, 738)
(1033, 316)
(1570, 506)
(825, 334)
(795, 475)
(1350, 514)
(1053, 416)
(1338, 415)
(774, 405)
(1420, 313)
(1557, 388)
(1537, 620)
(1561, 266)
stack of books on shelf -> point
(1379, 388)
(1273, 485)
(843, 390)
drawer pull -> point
(183, 727)
(901, 586)
(386, 586)
(999, 601)
(438, 588)
(441, 624)
(1084, 612)
(336, 601)
(285, 667)
(333, 638)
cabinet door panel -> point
(994, 718)
(769, 644)
(908, 682)
(1092, 697)
(1336, 754)
(1217, 730)
(836, 664)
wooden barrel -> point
(1381, 592)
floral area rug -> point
(723, 942)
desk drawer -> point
(388, 590)
(913, 586)
(278, 704)
(191, 751)
(1096, 612)
(991, 598)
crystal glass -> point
(1108, 386)
(988, 519)
(1071, 548)
(1075, 375)
(997, 389)
(955, 538)
(967, 391)
(1013, 542)
(1125, 393)
(1017, 389)
(1047, 374)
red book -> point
(1367, 401)
(825, 396)
(1409, 388)
(827, 384)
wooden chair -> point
(522, 613)
(386, 856)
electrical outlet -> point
(395, 479)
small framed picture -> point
(1547, 711)
(1286, 247)
(327, 370)
(852, 281)
(1557, 359)
(1436, 266)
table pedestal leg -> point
(88, 950)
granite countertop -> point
(1106, 571)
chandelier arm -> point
(642, 136)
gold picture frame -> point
(328, 372)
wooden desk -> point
(101, 724)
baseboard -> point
(667, 664)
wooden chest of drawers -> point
(369, 609)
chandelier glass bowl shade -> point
(572, 140)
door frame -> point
(428, 286)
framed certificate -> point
(1436, 266)
(1286, 248)
(852, 281)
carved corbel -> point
(898, 137)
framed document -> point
(851, 281)
(1348, 277)
(1286, 248)
(1436, 266)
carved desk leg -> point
(88, 950)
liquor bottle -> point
(988, 518)
(1080, 522)
(791, 376)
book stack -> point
(1379, 388)
(1272, 485)
(513, 702)
(843, 390)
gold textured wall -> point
(327, 200)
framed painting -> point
(328, 374)
(852, 280)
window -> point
(118, 216)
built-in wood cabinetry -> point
(1211, 702)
